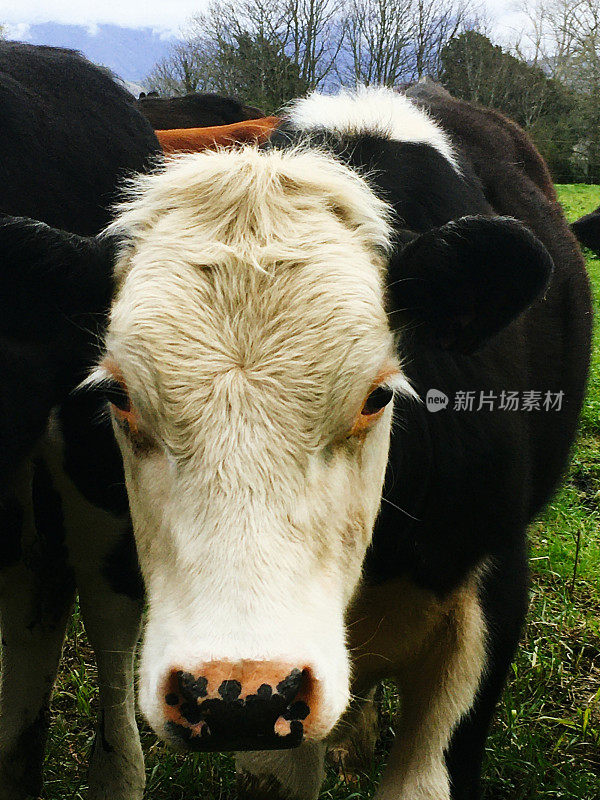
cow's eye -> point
(116, 394)
(372, 410)
(378, 399)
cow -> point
(69, 135)
(310, 365)
(182, 140)
(587, 230)
(195, 110)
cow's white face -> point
(249, 331)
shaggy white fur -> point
(371, 109)
(249, 326)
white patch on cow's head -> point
(371, 109)
(249, 328)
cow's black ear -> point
(50, 279)
(463, 282)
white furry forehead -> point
(226, 193)
(108, 370)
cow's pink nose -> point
(244, 705)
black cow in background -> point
(587, 230)
(194, 111)
(68, 135)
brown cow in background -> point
(194, 111)
(180, 140)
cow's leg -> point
(437, 687)
(352, 749)
(110, 597)
(281, 774)
(87, 469)
(505, 604)
(112, 623)
(36, 596)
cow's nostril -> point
(239, 706)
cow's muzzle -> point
(246, 705)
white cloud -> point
(167, 16)
(164, 15)
(508, 21)
(17, 30)
(163, 33)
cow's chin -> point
(233, 698)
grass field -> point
(545, 742)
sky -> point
(129, 36)
(165, 16)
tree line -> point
(267, 52)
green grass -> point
(545, 742)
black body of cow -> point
(68, 135)
(462, 486)
(587, 230)
(195, 111)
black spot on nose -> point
(230, 690)
(290, 686)
(298, 710)
(192, 688)
(191, 713)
